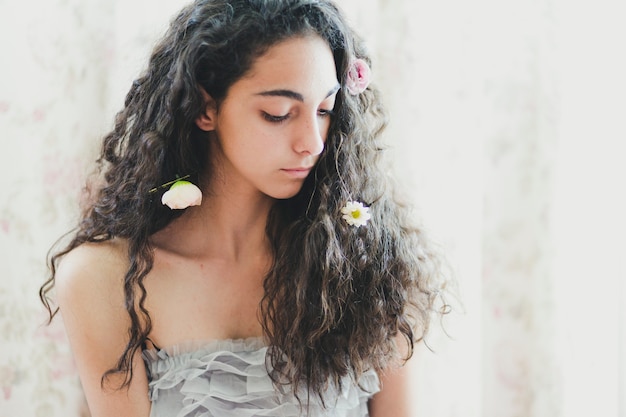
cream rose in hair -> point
(182, 194)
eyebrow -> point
(292, 94)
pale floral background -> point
(507, 128)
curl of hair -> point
(337, 297)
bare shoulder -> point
(90, 294)
(90, 291)
(92, 268)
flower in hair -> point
(182, 194)
(359, 77)
(355, 213)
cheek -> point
(255, 147)
(325, 129)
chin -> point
(285, 193)
(284, 196)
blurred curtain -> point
(506, 129)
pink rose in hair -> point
(359, 77)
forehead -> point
(304, 64)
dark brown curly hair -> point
(337, 298)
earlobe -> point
(206, 120)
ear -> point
(207, 119)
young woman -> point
(277, 276)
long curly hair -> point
(337, 298)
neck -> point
(230, 226)
(238, 222)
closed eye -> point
(326, 113)
(273, 118)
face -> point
(271, 128)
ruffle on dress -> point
(228, 378)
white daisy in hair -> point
(355, 213)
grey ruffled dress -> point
(228, 378)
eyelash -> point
(280, 119)
(275, 119)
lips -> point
(298, 172)
(298, 169)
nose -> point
(310, 136)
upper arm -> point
(89, 287)
(393, 399)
